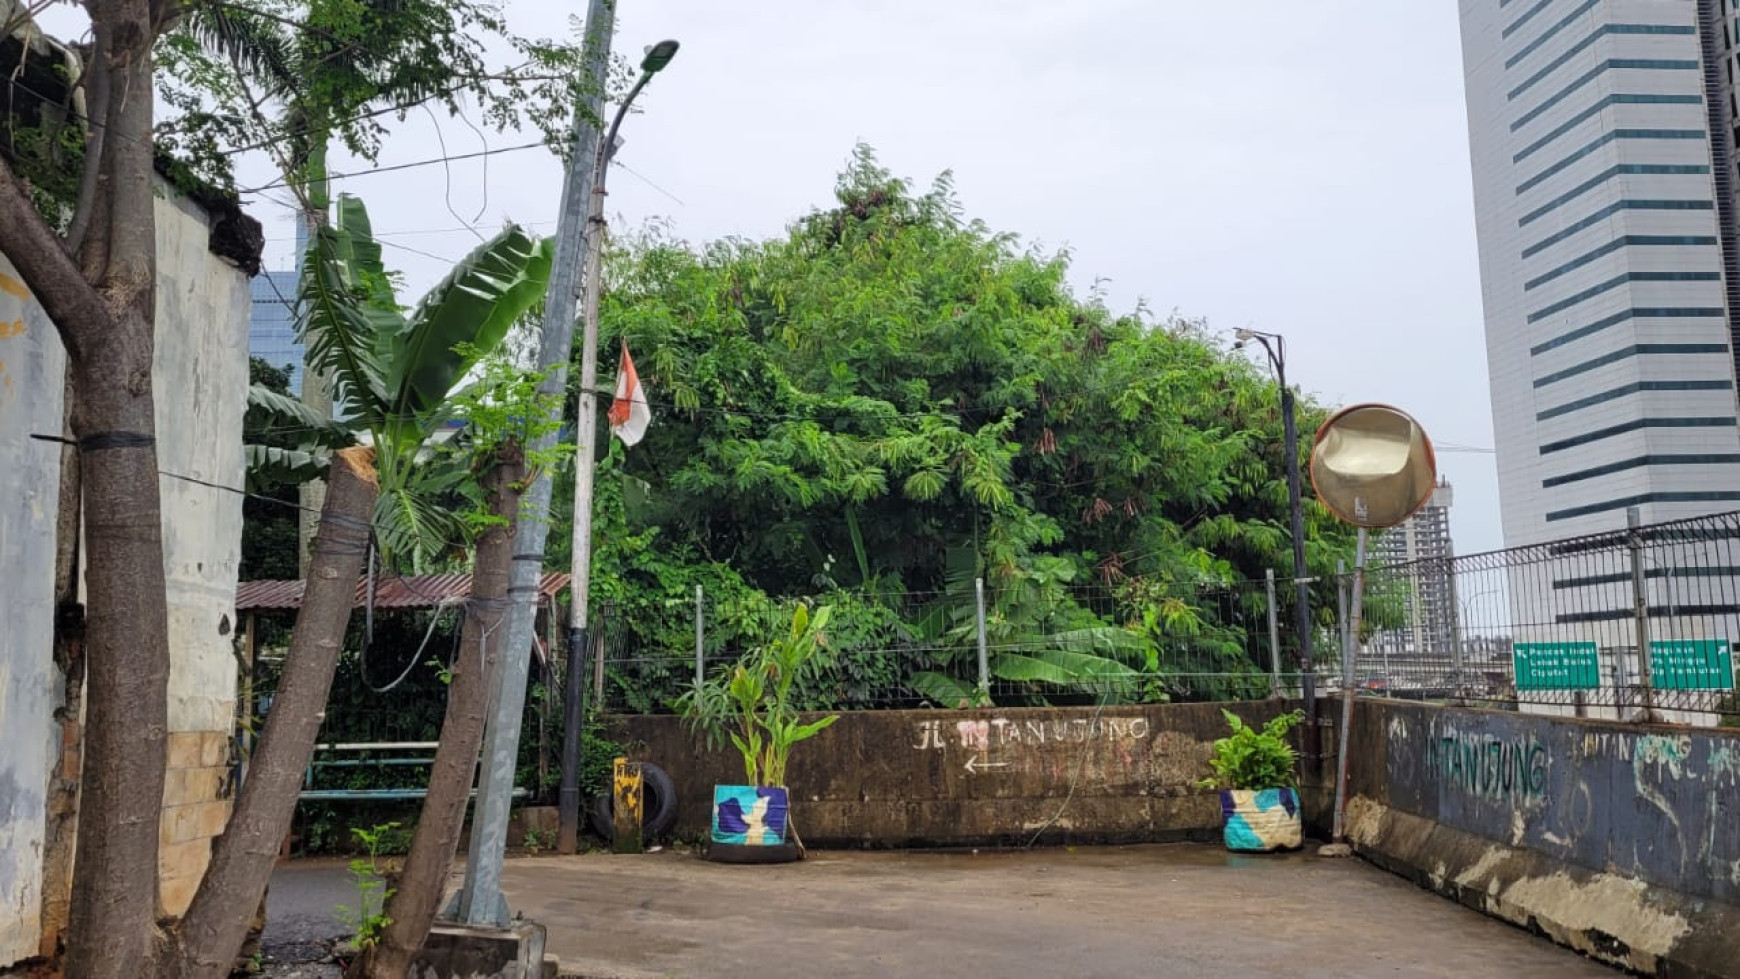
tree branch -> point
(48, 270)
(96, 108)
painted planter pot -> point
(1261, 820)
(750, 815)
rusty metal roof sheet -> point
(417, 592)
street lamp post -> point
(1275, 346)
(585, 456)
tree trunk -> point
(423, 882)
(210, 935)
(104, 309)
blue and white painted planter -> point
(750, 815)
(1261, 820)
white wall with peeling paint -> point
(200, 379)
(31, 370)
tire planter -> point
(751, 824)
(660, 809)
(1261, 820)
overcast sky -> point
(1296, 168)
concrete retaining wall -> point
(1619, 840)
(982, 777)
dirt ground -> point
(1175, 911)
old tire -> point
(738, 853)
(660, 796)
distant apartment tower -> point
(1422, 544)
(272, 330)
(1602, 134)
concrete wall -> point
(200, 379)
(1620, 840)
(31, 371)
(983, 777)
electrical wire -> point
(394, 168)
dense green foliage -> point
(1254, 759)
(268, 520)
(892, 400)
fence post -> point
(1640, 605)
(1458, 634)
(1274, 637)
(700, 638)
(984, 651)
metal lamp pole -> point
(585, 456)
(1275, 346)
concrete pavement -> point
(1175, 911)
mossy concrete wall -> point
(975, 777)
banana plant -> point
(751, 704)
(394, 374)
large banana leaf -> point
(1063, 668)
(472, 308)
(946, 691)
(269, 466)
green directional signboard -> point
(1557, 666)
(1691, 664)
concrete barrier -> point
(977, 777)
(1621, 841)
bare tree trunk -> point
(206, 942)
(423, 882)
(69, 659)
(104, 308)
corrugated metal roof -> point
(417, 592)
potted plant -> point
(751, 704)
(1259, 799)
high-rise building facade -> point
(272, 328)
(1602, 136)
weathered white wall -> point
(31, 372)
(201, 383)
(200, 380)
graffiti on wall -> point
(998, 731)
(1513, 770)
(989, 743)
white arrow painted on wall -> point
(975, 763)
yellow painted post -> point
(627, 797)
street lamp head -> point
(658, 56)
(1244, 336)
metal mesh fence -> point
(1028, 644)
(1607, 625)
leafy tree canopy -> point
(893, 398)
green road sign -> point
(1557, 666)
(1691, 664)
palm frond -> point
(259, 45)
(338, 332)
(267, 409)
(414, 529)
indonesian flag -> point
(629, 413)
